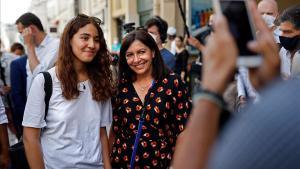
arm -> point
(4, 155)
(105, 148)
(33, 150)
(203, 124)
(29, 41)
(111, 139)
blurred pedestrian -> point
(17, 49)
(157, 27)
(181, 57)
(73, 134)
(4, 154)
(171, 45)
(41, 48)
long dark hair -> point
(159, 69)
(98, 69)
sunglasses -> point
(95, 19)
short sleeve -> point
(106, 113)
(35, 106)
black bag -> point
(17, 151)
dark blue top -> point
(18, 77)
(266, 136)
(168, 58)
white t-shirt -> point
(46, 53)
(3, 118)
(71, 134)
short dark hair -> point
(159, 69)
(161, 24)
(28, 19)
(16, 46)
(291, 14)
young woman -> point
(74, 132)
(181, 56)
(147, 91)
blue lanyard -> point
(138, 135)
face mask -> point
(290, 43)
(269, 20)
(153, 36)
(21, 38)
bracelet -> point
(210, 96)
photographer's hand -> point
(195, 43)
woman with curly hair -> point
(73, 133)
(150, 109)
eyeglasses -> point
(95, 19)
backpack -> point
(17, 151)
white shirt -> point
(71, 134)
(6, 60)
(243, 83)
(46, 53)
(286, 62)
(3, 118)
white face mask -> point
(269, 20)
(153, 36)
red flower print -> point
(119, 150)
(160, 89)
(158, 100)
(135, 99)
(148, 107)
(180, 106)
(138, 108)
(124, 146)
(179, 93)
(169, 92)
(128, 109)
(137, 117)
(156, 109)
(178, 117)
(147, 117)
(125, 90)
(157, 153)
(165, 81)
(163, 156)
(167, 105)
(118, 141)
(151, 95)
(117, 159)
(132, 126)
(125, 120)
(156, 121)
(147, 135)
(137, 158)
(154, 162)
(125, 101)
(144, 144)
(163, 145)
(165, 115)
(146, 155)
(176, 83)
(125, 158)
(181, 127)
(153, 144)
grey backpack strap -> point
(48, 90)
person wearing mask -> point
(157, 27)
(73, 134)
(4, 154)
(170, 45)
(41, 48)
(269, 12)
(181, 56)
(289, 39)
(150, 98)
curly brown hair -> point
(98, 69)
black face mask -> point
(290, 44)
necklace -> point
(144, 87)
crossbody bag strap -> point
(48, 91)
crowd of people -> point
(152, 112)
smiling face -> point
(139, 58)
(86, 43)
